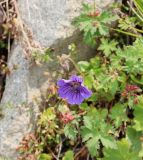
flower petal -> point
(76, 79)
(79, 98)
(75, 98)
(86, 93)
(64, 91)
(62, 82)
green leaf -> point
(113, 87)
(108, 142)
(134, 138)
(47, 115)
(107, 47)
(89, 39)
(88, 81)
(69, 155)
(93, 97)
(84, 106)
(103, 30)
(70, 131)
(138, 113)
(141, 152)
(93, 27)
(44, 156)
(122, 152)
(107, 17)
(127, 23)
(84, 65)
(118, 114)
(96, 129)
(86, 7)
(93, 145)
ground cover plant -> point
(95, 111)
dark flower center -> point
(75, 85)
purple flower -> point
(73, 90)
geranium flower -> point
(73, 90)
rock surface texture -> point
(50, 22)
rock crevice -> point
(50, 22)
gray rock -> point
(50, 21)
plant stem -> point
(124, 32)
(59, 152)
(138, 30)
(75, 65)
(136, 11)
(127, 33)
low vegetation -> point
(101, 119)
